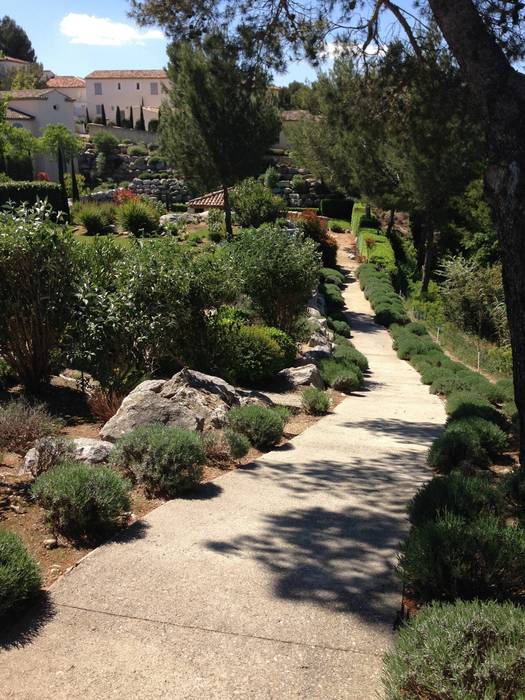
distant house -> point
(8, 63)
(126, 89)
(211, 200)
(73, 87)
(34, 110)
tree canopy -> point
(14, 41)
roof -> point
(209, 200)
(31, 94)
(17, 114)
(123, 74)
(65, 81)
(11, 59)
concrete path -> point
(276, 581)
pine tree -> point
(131, 124)
(103, 116)
(118, 120)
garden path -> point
(275, 581)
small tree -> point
(131, 123)
(140, 125)
(59, 142)
(222, 118)
(103, 119)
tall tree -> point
(118, 118)
(61, 144)
(485, 37)
(222, 118)
(14, 41)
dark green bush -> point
(457, 493)
(286, 345)
(339, 327)
(349, 355)
(138, 217)
(95, 218)
(465, 443)
(138, 150)
(505, 389)
(413, 345)
(254, 204)
(332, 276)
(333, 296)
(336, 208)
(19, 574)
(342, 372)
(239, 444)
(315, 401)
(452, 557)
(29, 192)
(460, 651)
(417, 328)
(168, 461)
(104, 142)
(82, 500)
(262, 426)
(257, 353)
(463, 404)
(346, 381)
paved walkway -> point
(276, 581)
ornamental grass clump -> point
(262, 426)
(458, 493)
(316, 402)
(167, 461)
(82, 500)
(238, 444)
(454, 557)
(20, 578)
(461, 651)
(22, 423)
(138, 217)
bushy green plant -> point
(257, 354)
(254, 204)
(349, 355)
(262, 426)
(95, 218)
(339, 327)
(463, 404)
(413, 345)
(138, 217)
(451, 557)
(20, 578)
(467, 442)
(330, 275)
(238, 443)
(333, 296)
(271, 177)
(457, 493)
(278, 271)
(104, 142)
(300, 185)
(138, 149)
(82, 500)
(22, 423)
(216, 225)
(168, 461)
(460, 651)
(315, 401)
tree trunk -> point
(428, 261)
(368, 211)
(391, 221)
(500, 91)
(227, 214)
(74, 184)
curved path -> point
(276, 581)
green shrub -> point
(95, 218)
(271, 177)
(457, 493)
(257, 353)
(138, 150)
(505, 388)
(22, 423)
(138, 217)
(340, 327)
(460, 651)
(300, 185)
(349, 355)
(239, 444)
(413, 345)
(262, 426)
(82, 500)
(336, 208)
(417, 328)
(340, 374)
(467, 442)
(168, 461)
(333, 296)
(216, 225)
(105, 142)
(254, 204)
(29, 192)
(452, 557)
(346, 381)
(19, 574)
(315, 401)
(332, 276)
(464, 404)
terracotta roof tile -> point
(31, 94)
(65, 81)
(103, 74)
(211, 199)
(11, 59)
(17, 114)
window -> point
(99, 109)
(55, 107)
(98, 88)
(118, 86)
(138, 86)
(154, 88)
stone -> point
(190, 399)
(318, 303)
(91, 450)
(88, 450)
(51, 543)
(318, 353)
(318, 338)
(307, 375)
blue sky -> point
(75, 37)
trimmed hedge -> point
(262, 426)
(460, 651)
(22, 191)
(378, 289)
(336, 208)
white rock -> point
(307, 375)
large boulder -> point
(190, 400)
(307, 375)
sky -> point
(75, 37)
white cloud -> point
(102, 31)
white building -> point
(73, 87)
(8, 65)
(126, 89)
(34, 110)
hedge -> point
(336, 208)
(25, 191)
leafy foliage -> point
(315, 401)
(20, 578)
(262, 426)
(254, 204)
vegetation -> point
(138, 217)
(168, 461)
(315, 401)
(22, 423)
(19, 574)
(254, 204)
(263, 427)
(82, 500)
